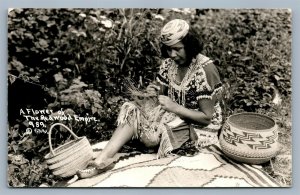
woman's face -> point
(177, 53)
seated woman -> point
(187, 91)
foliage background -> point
(77, 59)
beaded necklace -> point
(179, 87)
(182, 87)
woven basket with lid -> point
(249, 138)
(67, 159)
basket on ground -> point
(249, 138)
(67, 159)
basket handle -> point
(50, 132)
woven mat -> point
(209, 168)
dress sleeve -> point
(162, 76)
(208, 82)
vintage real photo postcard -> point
(177, 97)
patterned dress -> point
(153, 124)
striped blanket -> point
(208, 168)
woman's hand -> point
(167, 104)
(152, 89)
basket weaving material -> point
(249, 138)
(71, 156)
(70, 168)
(66, 160)
(69, 150)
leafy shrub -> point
(252, 51)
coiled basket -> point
(66, 160)
(249, 138)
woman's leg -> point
(121, 135)
(105, 160)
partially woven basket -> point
(66, 160)
(249, 138)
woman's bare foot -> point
(100, 163)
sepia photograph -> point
(147, 98)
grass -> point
(280, 167)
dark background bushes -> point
(77, 59)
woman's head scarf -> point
(174, 31)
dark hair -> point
(192, 45)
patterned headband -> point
(174, 31)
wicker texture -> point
(66, 160)
(249, 138)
